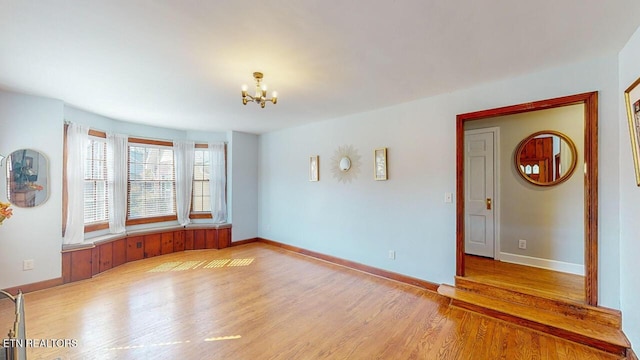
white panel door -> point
(479, 193)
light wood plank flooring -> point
(261, 302)
(526, 279)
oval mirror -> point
(345, 164)
(27, 177)
(546, 158)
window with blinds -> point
(151, 182)
(201, 197)
(96, 189)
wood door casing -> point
(590, 102)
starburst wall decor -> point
(345, 164)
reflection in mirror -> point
(345, 164)
(546, 158)
(27, 176)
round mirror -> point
(345, 164)
(546, 158)
(27, 177)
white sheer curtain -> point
(77, 141)
(117, 155)
(184, 154)
(217, 183)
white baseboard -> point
(555, 265)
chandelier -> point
(260, 96)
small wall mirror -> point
(546, 158)
(345, 164)
(27, 178)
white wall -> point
(99, 122)
(102, 123)
(242, 183)
(629, 201)
(32, 233)
(363, 220)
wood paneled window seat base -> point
(82, 261)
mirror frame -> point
(590, 102)
(563, 178)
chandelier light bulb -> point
(245, 88)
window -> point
(201, 198)
(96, 189)
(151, 182)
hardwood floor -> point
(526, 279)
(260, 302)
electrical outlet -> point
(28, 264)
(392, 255)
(522, 244)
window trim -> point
(207, 214)
(95, 226)
(201, 214)
(65, 191)
(155, 219)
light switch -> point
(448, 197)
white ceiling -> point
(181, 63)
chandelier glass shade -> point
(260, 96)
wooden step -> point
(584, 331)
(540, 300)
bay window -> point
(129, 181)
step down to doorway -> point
(540, 300)
(582, 324)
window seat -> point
(101, 253)
(97, 240)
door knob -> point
(488, 203)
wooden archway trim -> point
(590, 101)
